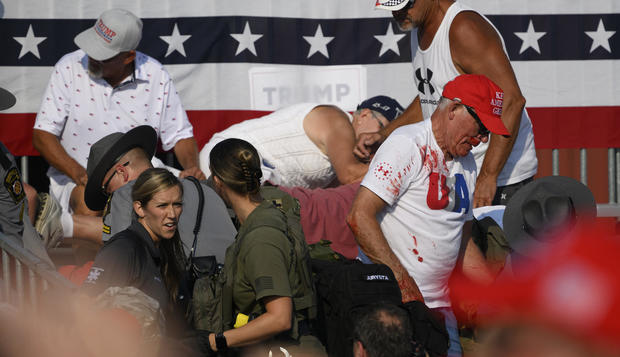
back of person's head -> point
(237, 164)
(383, 330)
(152, 181)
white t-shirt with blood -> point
(428, 201)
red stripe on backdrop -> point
(574, 127)
(16, 129)
(16, 133)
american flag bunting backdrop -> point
(233, 60)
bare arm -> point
(368, 143)
(363, 222)
(87, 228)
(186, 152)
(276, 319)
(476, 48)
(49, 146)
(329, 128)
(471, 261)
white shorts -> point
(61, 188)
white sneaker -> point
(48, 223)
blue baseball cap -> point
(385, 105)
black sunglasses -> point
(104, 187)
(482, 130)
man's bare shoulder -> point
(325, 116)
(326, 112)
(475, 44)
(469, 27)
(324, 120)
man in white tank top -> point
(453, 39)
(309, 145)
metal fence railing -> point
(24, 278)
(613, 174)
(613, 170)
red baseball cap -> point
(572, 286)
(480, 93)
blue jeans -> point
(453, 331)
(362, 257)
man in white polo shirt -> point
(104, 87)
(413, 211)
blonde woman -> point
(147, 255)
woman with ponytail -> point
(261, 259)
(148, 255)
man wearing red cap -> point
(413, 211)
(450, 39)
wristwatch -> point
(220, 342)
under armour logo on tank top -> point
(424, 81)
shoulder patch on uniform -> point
(106, 211)
(263, 283)
(93, 275)
(13, 184)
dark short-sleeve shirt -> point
(130, 258)
(217, 231)
(263, 262)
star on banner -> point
(318, 43)
(246, 40)
(389, 41)
(29, 43)
(530, 38)
(175, 41)
(600, 37)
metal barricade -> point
(25, 278)
(613, 170)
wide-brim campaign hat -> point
(542, 206)
(106, 152)
(7, 99)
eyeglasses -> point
(104, 187)
(375, 117)
(482, 130)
